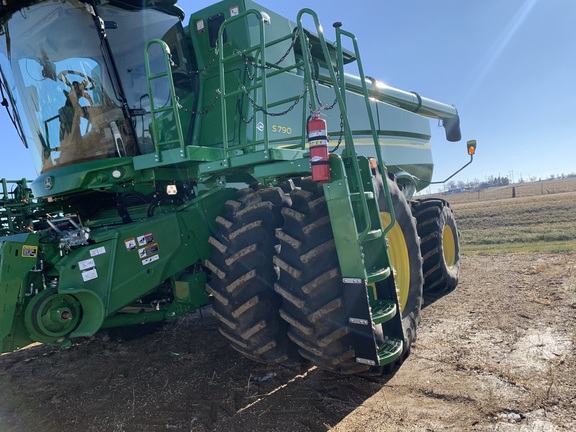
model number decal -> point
(282, 129)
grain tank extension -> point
(178, 163)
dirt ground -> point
(498, 354)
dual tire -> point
(275, 316)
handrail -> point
(339, 90)
(222, 60)
(174, 105)
(378, 150)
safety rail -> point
(257, 55)
(14, 206)
(172, 106)
(340, 93)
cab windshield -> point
(78, 80)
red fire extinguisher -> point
(318, 141)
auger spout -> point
(413, 102)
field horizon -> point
(525, 217)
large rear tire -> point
(440, 245)
(311, 283)
(243, 276)
(405, 256)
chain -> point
(326, 107)
(210, 63)
(251, 74)
(217, 94)
(341, 134)
(242, 115)
(268, 113)
(256, 65)
(315, 84)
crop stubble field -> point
(541, 218)
(497, 354)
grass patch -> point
(526, 247)
(542, 223)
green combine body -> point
(175, 173)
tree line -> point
(492, 181)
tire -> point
(440, 245)
(243, 276)
(406, 259)
(311, 284)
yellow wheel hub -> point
(448, 246)
(399, 257)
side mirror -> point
(471, 147)
(452, 128)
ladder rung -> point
(373, 234)
(384, 311)
(158, 75)
(163, 109)
(165, 143)
(355, 196)
(390, 351)
(378, 275)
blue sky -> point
(508, 66)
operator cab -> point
(75, 73)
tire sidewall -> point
(407, 223)
(446, 219)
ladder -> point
(369, 288)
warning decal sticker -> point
(130, 244)
(145, 239)
(148, 250)
(29, 251)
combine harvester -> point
(187, 165)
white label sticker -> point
(200, 25)
(316, 133)
(150, 259)
(86, 264)
(234, 11)
(88, 275)
(98, 251)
